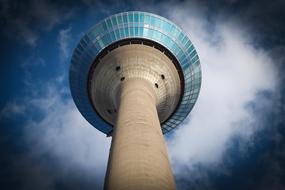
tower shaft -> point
(138, 156)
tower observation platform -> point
(135, 76)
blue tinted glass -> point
(194, 59)
(130, 17)
(136, 31)
(125, 18)
(157, 35)
(121, 32)
(175, 33)
(104, 25)
(136, 17)
(117, 34)
(83, 43)
(114, 21)
(180, 54)
(146, 19)
(185, 66)
(120, 20)
(167, 40)
(140, 24)
(112, 34)
(109, 24)
(157, 22)
(141, 17)
(184, 42)
(174, 49)
(152, 21)
(193, 53)
(92, 34)
(131, 31)
(188, 43)
(170, 44)
(162, 38)
(106, 40)
(97, 45)
(79, 47)
(180, 37)
(190, 49)
(127, 31)
(166, 26)
(140, 31)
(150, 33)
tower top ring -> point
(134, 25)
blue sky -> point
(233, 138)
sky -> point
(234, 138)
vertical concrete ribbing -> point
(138, 157)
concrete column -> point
(138, 157)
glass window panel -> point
(141, 15)
(112, 34)
(131, 31)
(180, 54)
(136, 31)
(171, 30)
(104, 24)
(140, 31)
(79, 47)
(149, 33)
(109, 24)
(152, 20)
(125, 18)
(164, 26)
(145, 31)
(175, 49)
(121, 32)
(198, 74)
(146, 19)
(83, 43)
(92, 34)
(184, 40)
(174, 32)
(193, 53)
(170, 44)
(163, 38)
(180, 37)
(120, 20)
(117, 34)
(194, 59)
(136, 17)
(158, 23)
(97, 46)
(183, 57)
(190, 49)
(188, 43)
(140, 24)
(130, 17)
(114, 21)
(157, 35)
(126, 31)
(185, 66)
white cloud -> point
(233, 72)
(63, 134)
(64, 38)
(11, 109)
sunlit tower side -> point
(135, 76)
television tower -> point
(135, 76)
